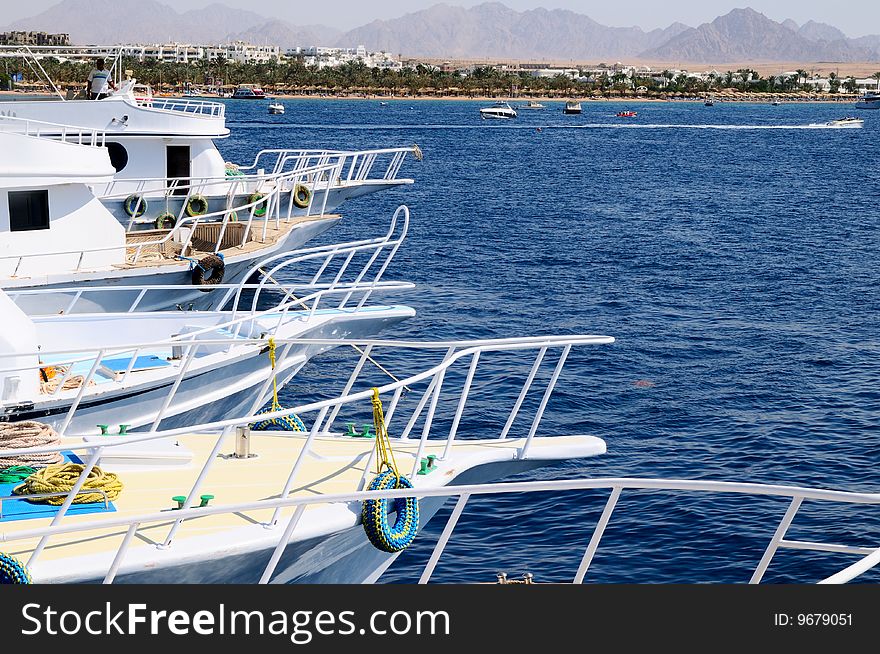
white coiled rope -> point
(28, 433)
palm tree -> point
(876, 76)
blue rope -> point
(13, 571)
(385, 537)
(290, 422)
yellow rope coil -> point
(61, 478)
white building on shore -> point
(325, 57)
(182, 53)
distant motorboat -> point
(626, 114)
(383, 104)
(709, 102)
(500, 109)
(775, 103)
(276, 108)
(572, 107)
(847, 121)
(248, 92)
(531, 104)
(870, 100)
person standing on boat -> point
(98, 81)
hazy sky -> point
(855, 18)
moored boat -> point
(572, 107)
(304, 513)
(248, 92)
(869, 100)
(276, 108)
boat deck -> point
(155, 472)
(205, 240)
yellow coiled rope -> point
(61, 478)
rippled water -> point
(735, 265)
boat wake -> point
(507, 125)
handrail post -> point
(352, 378)
(190, 498)
(71, 495)
(444, 538)
(282, 544)
(540, 412)
(597, 535)
(523, 392)
(453, 430)
(777, 538)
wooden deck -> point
(205, 239)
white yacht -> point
(239, 504)
(248, 92)
(572, 107)
(531, 104)
(164, 153)
(498, 110)
(870, 100)
(54, 232)
(276, 108)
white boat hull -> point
(332, 548)
(114, 301)
(214, 394)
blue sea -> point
(731, 251)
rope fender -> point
(385, 537)
(61, 478)
(374, 513)
(13, 571)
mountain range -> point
(488, 30)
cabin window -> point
(177, 165)
(118, 155)
(28, 210)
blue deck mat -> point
(19, 509)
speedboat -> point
(572, 107)
(531, 104)
(870, 100)
(276, 108)
(846, 122)
(708, 102)
(498, 110)
(248, 92)
(242, 501)
(626, 114)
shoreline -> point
(718, 98)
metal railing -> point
(357, 166)
(334, 262)
(870, 556)
(270, 200)
(191, 107)
(462, 355)
(54, 131)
